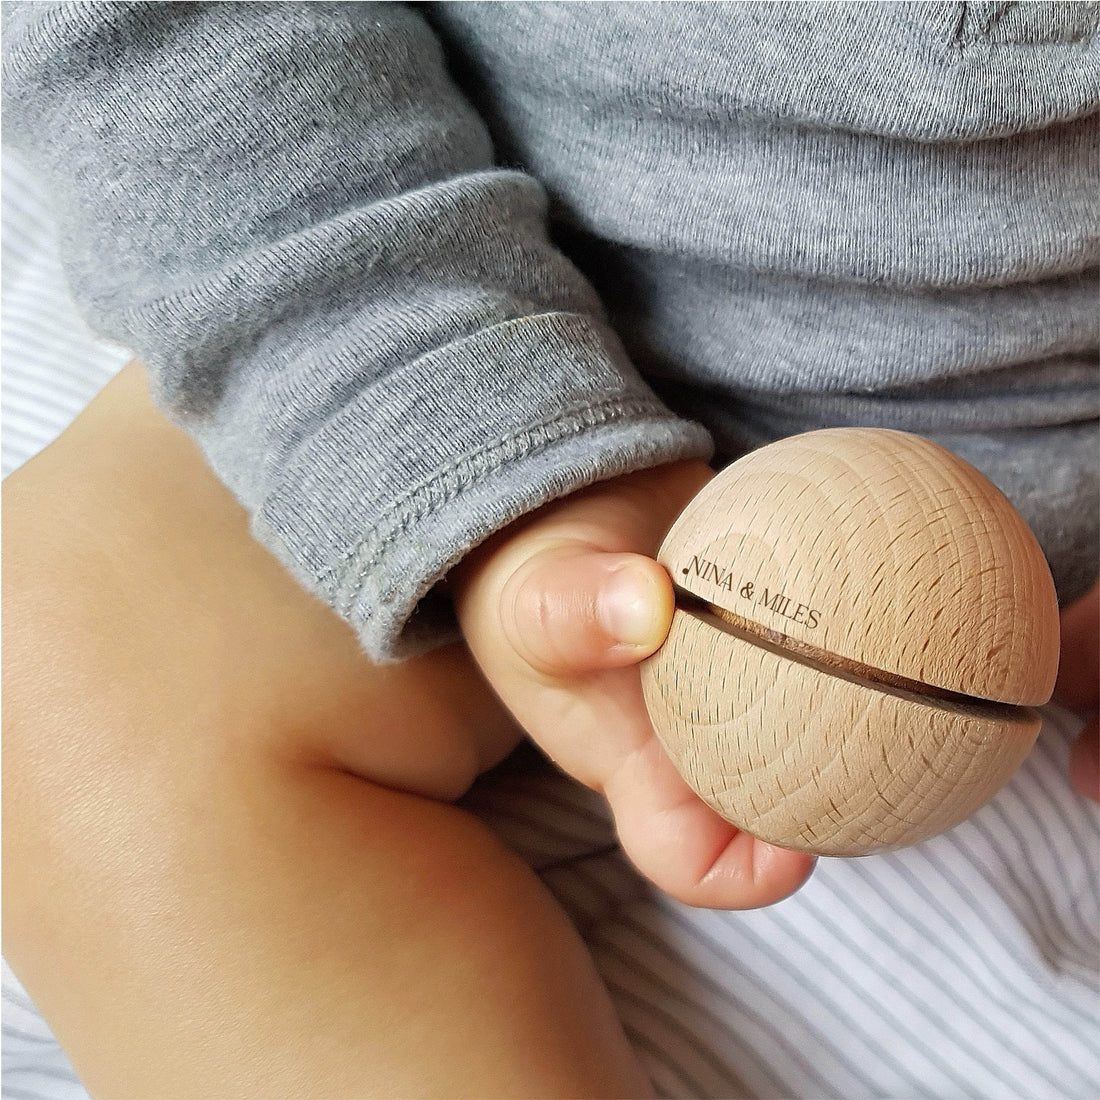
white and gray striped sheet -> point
(52, 365)
(964, 967)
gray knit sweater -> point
(408, 272)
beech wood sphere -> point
(863, 625)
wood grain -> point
(807, 759)
(913, 561)
(881, 621)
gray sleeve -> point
(290, 213)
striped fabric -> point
(52, 365)
(964, 967)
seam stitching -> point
(448, 482)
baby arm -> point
(320, 311)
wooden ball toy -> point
(863, 626)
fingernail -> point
(628, 609)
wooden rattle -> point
(863, 623)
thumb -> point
(571, 609)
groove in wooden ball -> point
(805, 759)
(874, 621)
(909, 559)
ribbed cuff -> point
(404, 481)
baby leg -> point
(230, 869)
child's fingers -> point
(1084, 761)
(1079, 671)
(558, 613)
(1079, 686)
(685, 848)
(573, 618)
(571, 610)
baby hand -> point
(559, 609)
(1079, 687)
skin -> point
(232, 865)
(1078, 687)
(529, 602)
